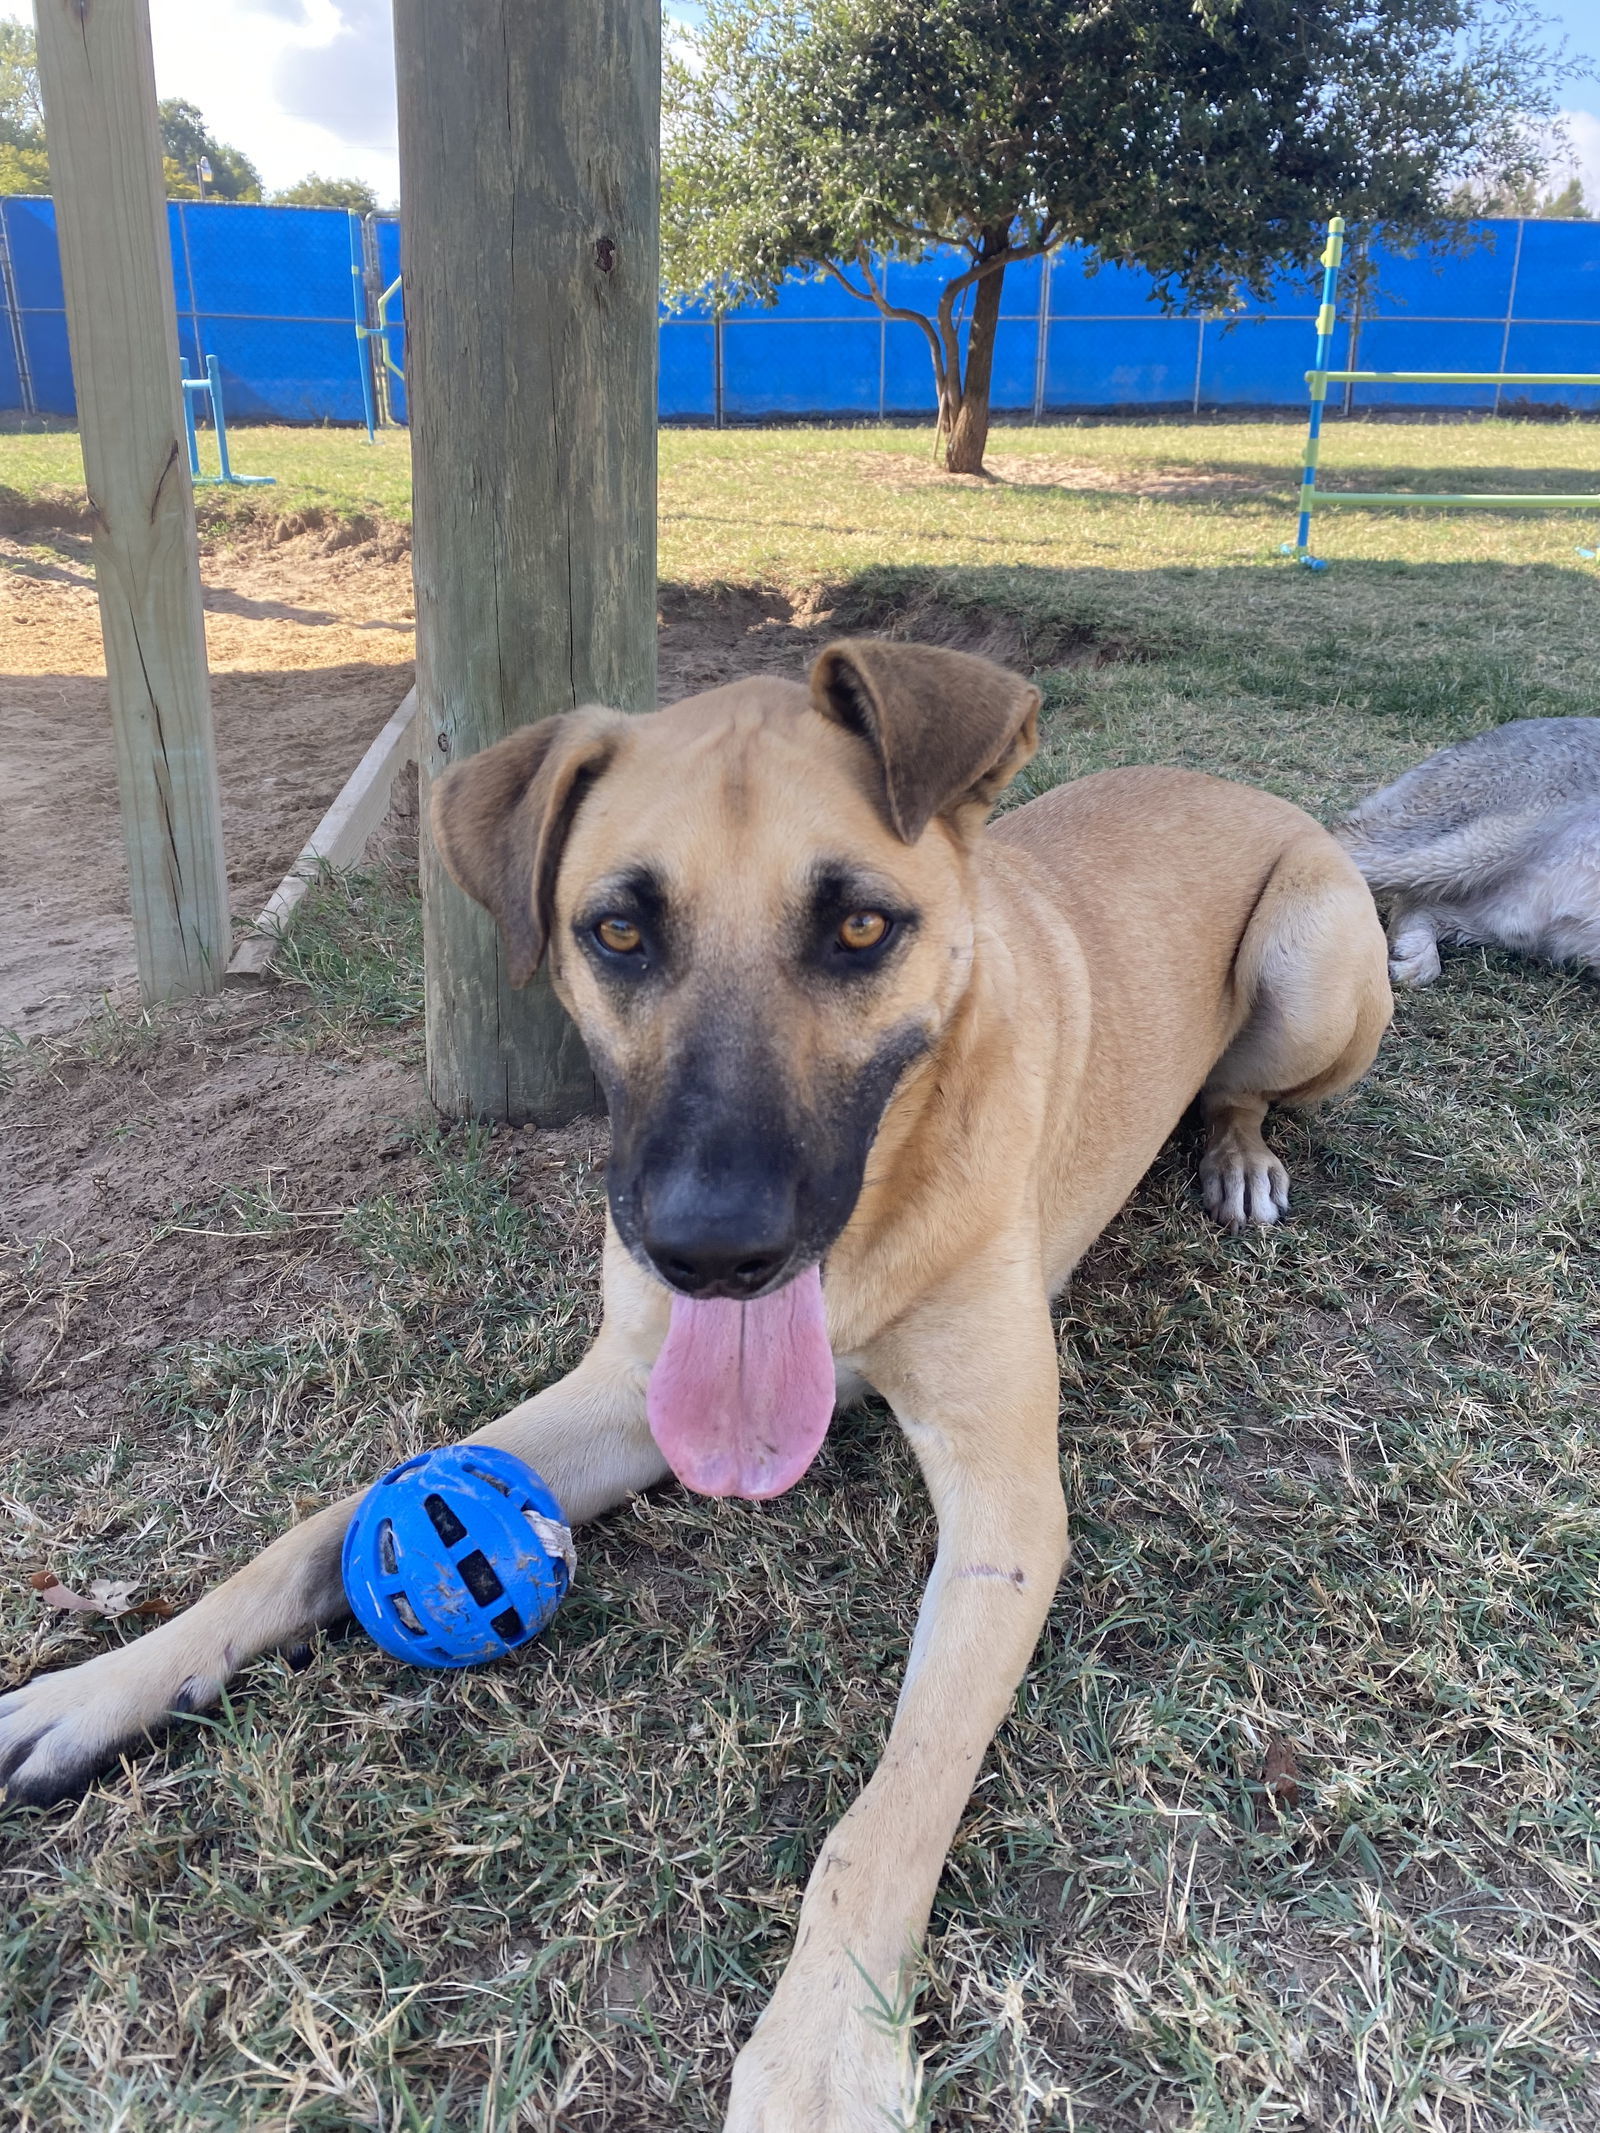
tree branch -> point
(873, 294)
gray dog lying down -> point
(1496, 839)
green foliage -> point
(314, 190)
(21, 105)
(23, 170)
(24, 165)
(1203, 143)
(185, 137)
(1564, 205)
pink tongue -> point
(742, 1393)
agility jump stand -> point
(211, 386)
(1319, 379)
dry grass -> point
(1336, 1494)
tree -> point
(21, 101)
(1205, 141)
(24, 165)
(1527, 200)
(313, 190)
(185, 137)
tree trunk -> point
(967, 431)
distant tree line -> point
(198, 166)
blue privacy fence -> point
(286, 300)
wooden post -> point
(529, 167)
(111, 215)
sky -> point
(305, 85)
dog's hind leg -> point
(587, 1436)
(1413, 948)
(1312, 976)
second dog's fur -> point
(1496, 839)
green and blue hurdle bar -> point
(1322, 377)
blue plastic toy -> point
(457, 1556)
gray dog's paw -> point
(1419, 969)
(1414, 953)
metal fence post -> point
(1511, 307)
(1041, 353)
(363, 322)
(19, 344)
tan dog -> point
(842, 1026)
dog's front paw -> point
(1242, 1181)
(60, 1730)
(857, 2080)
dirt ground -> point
(310, 650)
(310, 639)
(109, 1163)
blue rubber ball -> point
(457, 1556)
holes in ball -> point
(388, 1562)
(406, 1612)
(443, 1520)
(478, 1575)
(507, 1624)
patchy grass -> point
(356, 946)
(1336, 1495)
(335, 472)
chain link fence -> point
(301, 308)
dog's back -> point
(1495, 839)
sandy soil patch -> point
(310, 652)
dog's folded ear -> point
(501, 818)
(949, 731)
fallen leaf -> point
(56, 1595)
(1280, 1783)
(109, 1597)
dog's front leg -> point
(973, 1379)
(586, 1435)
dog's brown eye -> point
(620, 935)
(863, 929)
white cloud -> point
(1583, 153)
(298, 85)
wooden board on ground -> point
(338, 840)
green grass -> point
(328, 470)
(1335, 1488)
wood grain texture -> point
(105, 163)
(529, 169)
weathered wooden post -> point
(105, 166)
(529, 166)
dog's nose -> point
(700, 1267)
(703, 1248)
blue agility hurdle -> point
(211, 386)
(1321, 377)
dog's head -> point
(757, 907)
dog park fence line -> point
(287, 299)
